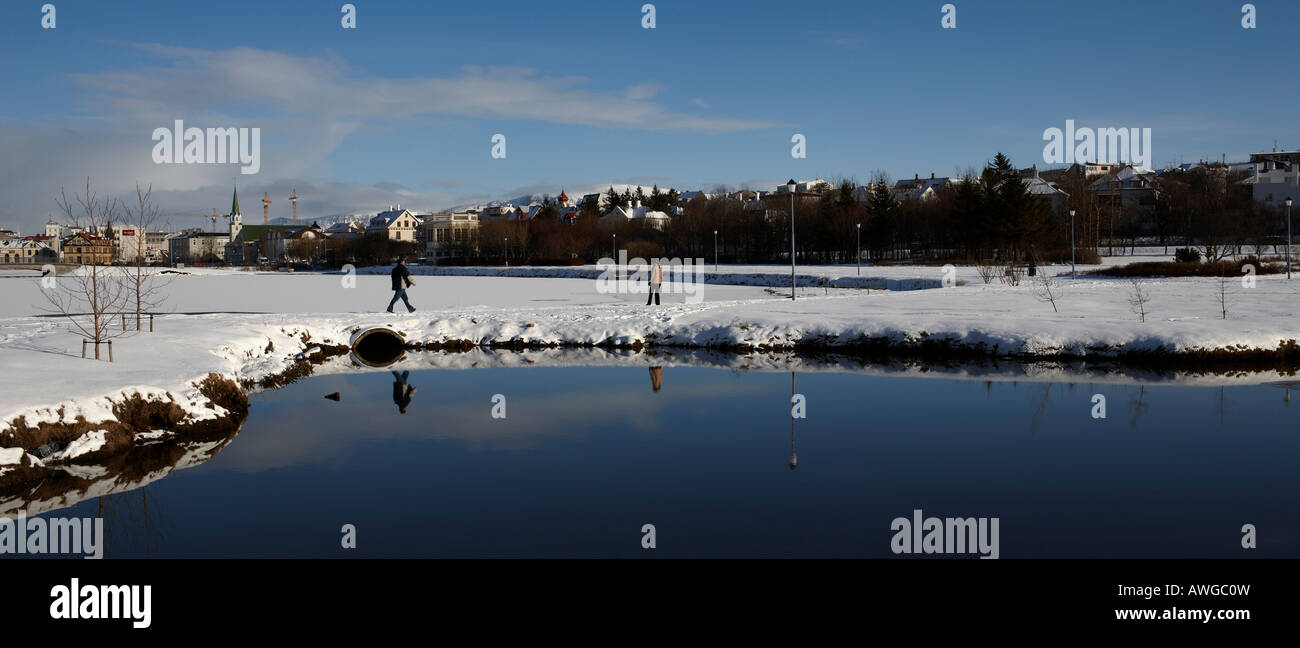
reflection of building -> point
(87, 248)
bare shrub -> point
(1138, 298)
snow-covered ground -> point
(253, 324)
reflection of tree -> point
(129, 521)
(1042, 407)
(1139, 406)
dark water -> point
(586, 456)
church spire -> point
(234, 206)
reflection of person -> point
(402, 391)
(401, 281)
(656, 279)
(656, 377)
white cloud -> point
(306, 107)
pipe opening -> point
(378, 347)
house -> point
(1035, 185)
(499, 212)
(344, 231)
(396, 224)
(918, 188)
(253, 243)
(300, 244)
(86, 248)
(810, 187)
(636, 214)
(1275, 184)
(26, 251)
(195, 248)
(1129, 187)
(451, 233)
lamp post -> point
(791, 186)
(857, 250)
(1072, 244)
(715, 251)
(615, 246)
(1288, 238)
(507, 251)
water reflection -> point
(584, 455)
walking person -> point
(401, 281)
(401, 391)
(656, 280)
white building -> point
(397, 224)
(637, 214)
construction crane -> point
(293, 198)
(213, 217)
(266, 209)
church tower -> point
(236, 219)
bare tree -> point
(1043, 285)
(1138, 297)
(91, 296)
(144, 285)
(1223, 296)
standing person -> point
(401, 281)
(656, 280)
(401, 391)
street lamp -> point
(1072, 244)
(1288, 238)
(507, 251)
(715, 251)
(857, 256)
(791, 186)
(615, 246)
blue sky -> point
(402, 108)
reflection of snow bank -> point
(82, 445)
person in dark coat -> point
(401, 281)
(401, 391)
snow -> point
(10, 456)
(253, 324)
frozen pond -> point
(586, 456)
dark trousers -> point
(400, 294)
(654, 294)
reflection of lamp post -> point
(1288, 238)
(794, 459)
(791, 186)
(857, 251)
(715, 251)
(1072, 244)
(507, 251)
